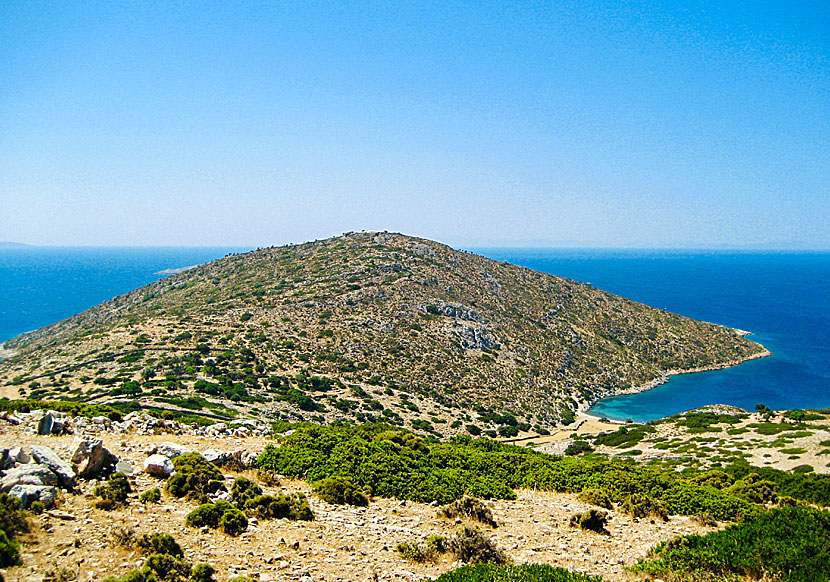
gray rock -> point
(218, 458)
(30, 493)
(89, 457)
(64, 471)
(19, 455)
(44, 425)
(28, 475)
(158, 466)
(124, 467)
(170, 450)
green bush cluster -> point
(595, 497)
(471, 546)
(591, 520)
(113, 493)
(642, 506)
(385, 461)
(428, 551)
(165, 563)
(625, 436)
(470, 507)
(220, 515)
(520, 573)
(150, 496)
(340, 491)
(195, 477)
(788, 544)
(248, 497)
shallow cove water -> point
(783, 298)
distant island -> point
(370, 326)
(13, 245)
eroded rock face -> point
(47, 457)
(31, 493)
(158, 466)
(474, 337)
(90, 458)
(30, 474)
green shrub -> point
(715, 478)
(168, 568)
(624, 437)
(469, 507)
(12, 517)
(423, 552)
(37, 507)
(160, 544)
(9, 551)
(293, 506)
(595, 497)
(642, 506)
(221, 515)
(203, 573)
(520, 573)
(244, 490)
(591, 520)
(472, 547)
(339, 490)
(373, 458)
(789, 544)
(195, 477)
(754, 489)
(233, 522)
(150, 496)
(113, 493)
(578, 447)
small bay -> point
(782, 297)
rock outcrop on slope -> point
(367, 326)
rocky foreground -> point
(343, 543)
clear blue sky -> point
(653, 124)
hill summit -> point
(366, 326)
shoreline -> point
(665, 376)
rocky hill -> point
(367, 326)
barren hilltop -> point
(311, 330)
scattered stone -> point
(158, 466)
(90, 458)
(169, 450)
(64, 471)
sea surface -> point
(42, 285)
(783, 298)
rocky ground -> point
(342, 544)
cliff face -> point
(386, 312)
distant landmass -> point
(368, 326)
(12, 245)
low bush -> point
(428, 551)
(195, 477)
(591, 520)
(113, 493)
(220, 515)
(150, 496)
(376, 458)
(471, 546)
(788, 544)
(160, 544)
(471, 508)
(340, 491)
(642, 506)
(520, 573)
(595, 497)
(9, 551)
(293, 506)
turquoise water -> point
(783, 297)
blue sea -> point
(783, 298)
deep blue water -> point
(42, 285)
(784, 298)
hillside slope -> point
(367, 326)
